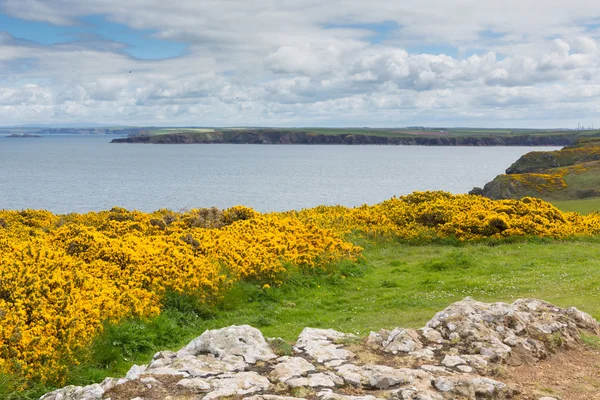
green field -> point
(583, 206)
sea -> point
(81, 173)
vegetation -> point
(571, 173)
(85, 296)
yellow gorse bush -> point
(428, 215)
(62, 276)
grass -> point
(583, 206)
(397, 285)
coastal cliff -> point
(306, 137)
(569, 173)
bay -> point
(80, 173)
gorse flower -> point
(61, 277)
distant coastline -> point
(273, 136)
(23, 135)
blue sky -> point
(137, 43)
(306, 63)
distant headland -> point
(23, 135)
(422, 137)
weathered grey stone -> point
(453, 361)
(328, 394)
(326, 379)
(443, 384)
(234, 384)
(135, 371)
(402, 341)
(197, 385)
(374, 376)
(472, 336)
(196, 366)
(487, 387)
(90, 392)
(319, 344)
(244, 341)
(432, 335)
(271, 397)
(435, 369)
(291, 367)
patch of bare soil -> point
(567, 375)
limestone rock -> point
(196, 366)
(197, 385)
(91, 392)
(271, 397)
(402, 341)
(135, 371)
(236, 384)
(319, 344)
(291, 367)
(374, 376)
(326, 379)
(328, 394)
(244, 341)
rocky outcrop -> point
(272, 136)
(569, 173)
(455, 356)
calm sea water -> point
(83, 173)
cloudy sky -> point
(510, 63)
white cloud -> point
(311, 62)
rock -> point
(453, 361)
(402, 341)
(327, 394)
(450, 359)
(326, 379)
(318, 343)
(488, 387)
(91, 392)
(196, 366)
(465, 368)
(291, 367)
(135, 371)
(244, 341)
(435, 369)
(432, 335)
(240, 383)
(374, 376)
(374, 340)
(197, 385)
(271, 397)
(443, 384)
(423, 354)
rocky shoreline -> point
(458, 355)
(297, 137)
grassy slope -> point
(583, 206)
(397, 285)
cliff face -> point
(569, 173)
(299, 137)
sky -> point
(377, 63)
